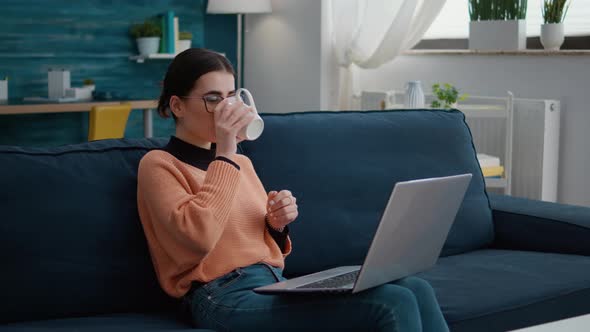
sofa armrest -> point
(523, 224)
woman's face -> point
(194, 112)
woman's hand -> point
(281, 209)
(230, 116)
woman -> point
(215, 234)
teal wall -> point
(90, 38)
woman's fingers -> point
(221, 107)
(231, 116)
(275, 205)
(282, 212)
(283, 198)
(243, 119)
(234, 112)
(283, 194)
(285, 219)
(282, 207)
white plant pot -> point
(497, 35)
(184, 45)
(552, 36)
(148, 45)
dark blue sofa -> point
(74, 255)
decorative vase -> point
(552, 36)
(414, 97)
(183, 45)
(148, 45)
(509, 35)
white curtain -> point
(370, 33)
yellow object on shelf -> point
(108, 121)
(492, 171)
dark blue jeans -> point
(229, 304)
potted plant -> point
(497, 24)
(554, 12)
(147, 36)
(184, 41)
(446, 96)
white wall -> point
(566, 78)
(283, 56)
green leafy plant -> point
(149, 28)
(447, 95)
(490, 10)
(185, 35)
(88, 81)
(554, 11)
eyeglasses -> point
(210, 100)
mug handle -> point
(249, 95)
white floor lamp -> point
(239, 7)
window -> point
(453, 20)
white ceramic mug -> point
(255, 128)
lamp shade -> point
(238, 6)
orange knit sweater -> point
(200, 224)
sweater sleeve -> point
(194, 221)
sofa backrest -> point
(71, 242)
(70, 238)
(342, 166)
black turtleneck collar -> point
(191, 154)
(194, 155)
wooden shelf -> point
(154, 56)
(80, 106)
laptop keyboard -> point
(334, 282)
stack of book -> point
(490, 166)
(169, 40)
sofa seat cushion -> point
(114, 322)
(499, 290)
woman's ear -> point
(177, 106)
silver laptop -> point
(408, 240)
